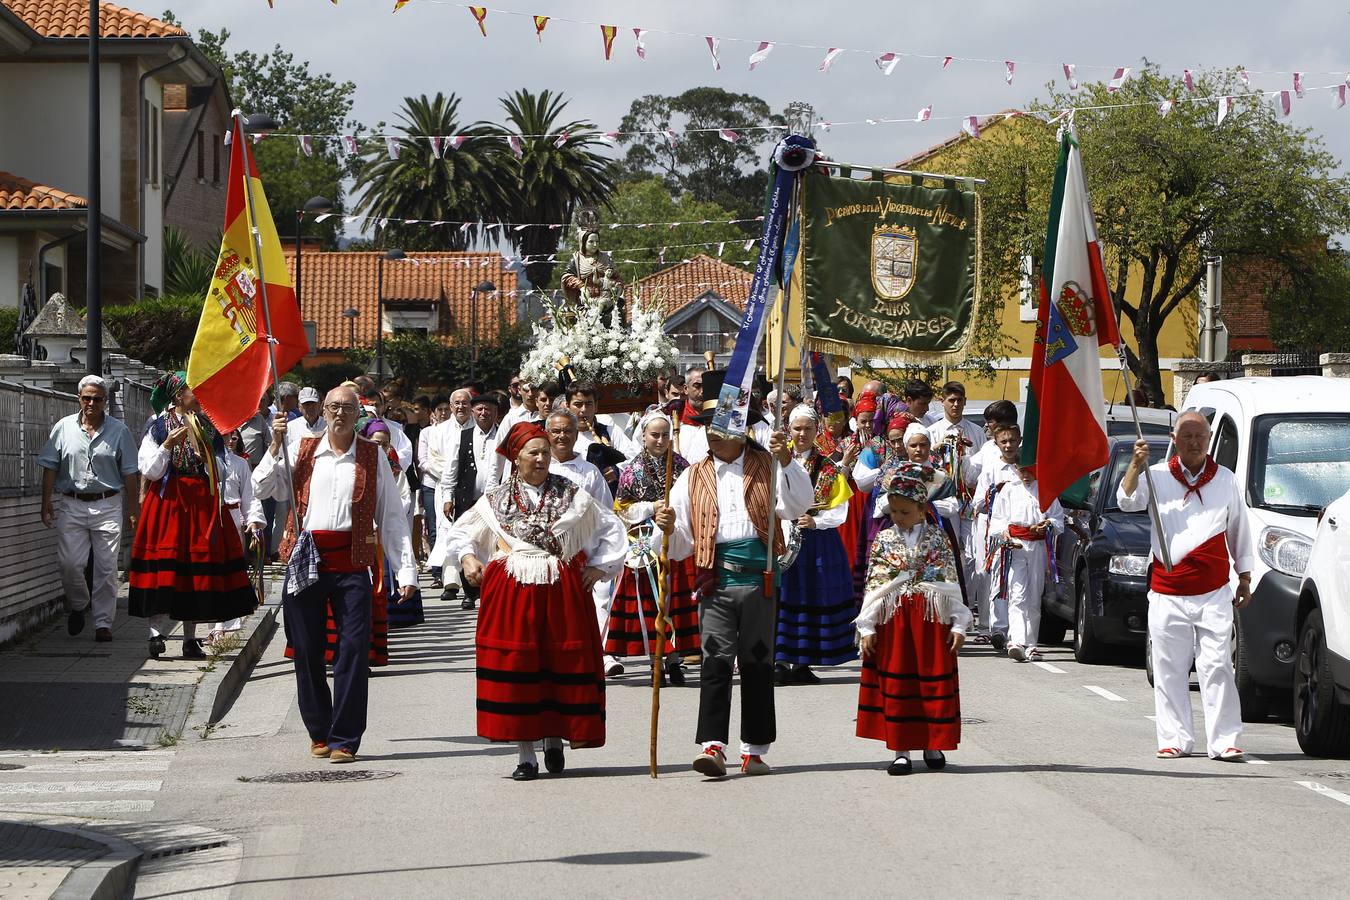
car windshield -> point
(1115, 471)
(1300, 463)
(1123, 427)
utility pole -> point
(93, 232)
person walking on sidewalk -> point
(1190, 608)
(89, 460)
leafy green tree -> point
(1167, 191)
(1309, 310)
(187, 269)
(156, 330)
(649, 200)
(702, 164)
(560, 169)
(464, 185)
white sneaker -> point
(613, 667)
(1017, 654)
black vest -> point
(466, 485)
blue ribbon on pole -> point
(792, 154)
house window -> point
(1028, 297)
(215, 158)
(201, 156)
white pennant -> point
(639, 34)
(1188, 79)
(1008, 67)
(437, 146)
(1225, 105)
(457, 141)
(349, 141)
(1071, 76)
(721, 245)
(610, 137)
(382, 223)
(924, 114)
(1246, 79)
(1338, 97)
(1118, 79)
(728, 135)
(829, 58)
(947, 61)
(765, 48)
(1298, 84)
(713, 45)
(319, 219)
(228, 136)
(887, 62)
(514, 141)
(258, 137)
(1284, 102)
(307, 145)
(391, 143)
(671, 136)
(971, 126)
(562, 139)
(750, 243)
(1164, 107)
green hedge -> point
(156, 330)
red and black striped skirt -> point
(540, 670)
(683, 612)
(910, 694)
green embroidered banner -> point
(890, 270)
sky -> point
(431, 46)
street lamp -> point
(316, 205)
(351, 314)
(486, 287)
(379, 307)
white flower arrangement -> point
(599, 349)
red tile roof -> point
(20, 193)
(334, 282)
(670, 289)
(70, 19)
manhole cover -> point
(9, 767)
(326, 775)
(965, 721)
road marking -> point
(1151, 718)
(1105, 694)
(1049, 668)
(92, 754)
(80, 807)
(1253, 761)
(78, 787)
(149, 765)
(1325, 791)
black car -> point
(1102, 557)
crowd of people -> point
(586, 543)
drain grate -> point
(187, 848)
(965, 721)
(323, 775)
(9, 767)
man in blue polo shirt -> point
(89, 463)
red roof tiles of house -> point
(70, 19)
(672, 288)
(334, 282)
(20, 193)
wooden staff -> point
(663, 602)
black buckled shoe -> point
(525, 772)
(674, 671)
(75, 622)
(554, 761)
(468, 603)
(935, 759)
(157, 647)
(900, 766)
(192, 649)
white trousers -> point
(1026, 581)
(1199, 629)
(603, 595)
(81, 528)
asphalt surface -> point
(1054, 792)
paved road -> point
(1054, 792)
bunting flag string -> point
(638, 35)
(607, 34)
(760, 54)
(480, 16)
(540, 23)
(713, 45)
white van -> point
(1288, 441)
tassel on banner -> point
(349, 141)
(639, 34)
(760, 54)
(713, 45)
(1188, 79)
(1008, 67)
(1225, 106)
(540, 23)
(607, 34)
(1118, 79)
(306, 145)
(924, 114)
(516, 148)
(479, 14)
(392, 145)
(438, 146)
(1165, 107)
(728, 135)
(1298, 84)
(971, 126)
(1284, 103)
(1071, 76)
(829, 59)
(887, 62)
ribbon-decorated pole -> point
(1147, 473)
(667, 586)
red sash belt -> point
(335, 551)
(231, 505)
(1203, 570)
(1024, 533)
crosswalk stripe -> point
(79, 807)
(79, 787)
(1105, 694)
(1049, 668)
(1325, 791)
(90, 754)
(149, 765)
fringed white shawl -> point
(529, 564)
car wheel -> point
(1321, 724)
(1148, 658)
(1255, 705)
(1087, 648)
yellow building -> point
(1017, 312)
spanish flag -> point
(230, 367)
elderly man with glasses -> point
(89, 461)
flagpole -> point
(667, 588)
(267, 315)
(1148, 475)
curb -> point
(107, 878)
(216, 692)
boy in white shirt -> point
(992, 604)
(1017, 521)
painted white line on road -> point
(1049, 668)
(80, 807)
(92, 754)
(1253, 761)
(1105, 694)
(1151, 718)
(149, 765)
(1325, 791)
(79, 787)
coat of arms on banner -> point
(895, 253)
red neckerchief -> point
(689, 415)
(1206, 476)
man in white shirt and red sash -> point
(349, 509)
(1190, 610)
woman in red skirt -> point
(540, 669)
(187, 560)
(632, 615)
(912, 625)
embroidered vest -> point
(363, 498)
(703, 504)
(466, 488)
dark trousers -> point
(338, 718)
(429, 517)
(269, 507)
(737, 624)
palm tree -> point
(464, 185)
(558, 171)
